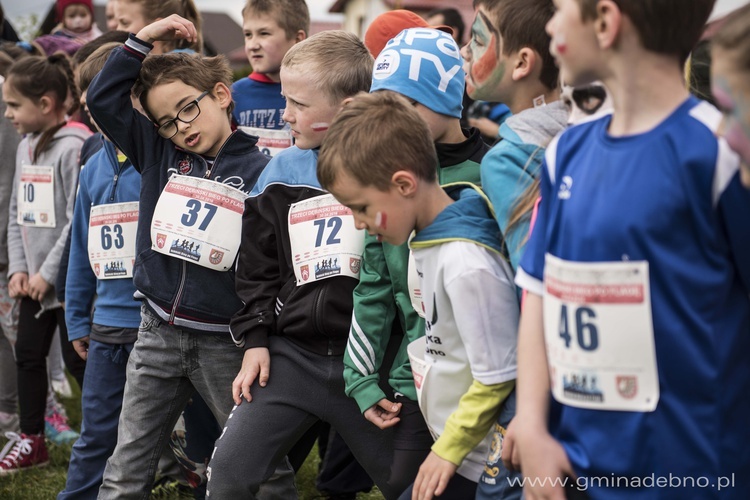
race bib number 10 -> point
(200, 221)
(599, 334)
(324, 240)
(36, 196)
(112, 231)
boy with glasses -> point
(196, 174)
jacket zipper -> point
(114, 187)
(317, 311)
(207, 175)
(180, 290)
(183, 273)
(118, 169)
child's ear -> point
(222, 94)
(404, 182)
(526, 61)
(301, 35)
(608, 23)
(46, 103)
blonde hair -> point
(374, 136)
(337, 62)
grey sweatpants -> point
(303, 387)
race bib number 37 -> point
(324, 240)
(200, 221)
(36, 196)
(599, 334)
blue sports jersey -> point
(258, 102)
(670, 197)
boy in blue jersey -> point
(298, 264)
(100, 275)
(271, 28)
(465, 365)
(638, 312)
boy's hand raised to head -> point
(255, 364)
(384, 414)
(173, 27)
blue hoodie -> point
(470, 218)
(102, 181)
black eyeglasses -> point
(187, 114)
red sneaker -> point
(23, 452)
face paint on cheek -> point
(319, 127)
(381, 220)
(559, 46)
(485, 65)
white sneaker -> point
(9, 422)
(62, 388)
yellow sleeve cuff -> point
(469, 424)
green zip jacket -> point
(382, 296)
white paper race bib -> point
(112, 232)
(36, 196)
(599, 335)
(270, 141)
(420, 367)
(415, 286)
(324, 240)
(200, 221)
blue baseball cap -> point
(423, 64)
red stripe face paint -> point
(319, 127)
(381, 220)
(484, 65)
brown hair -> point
(522, 23)
(290, 15)
(156, 9)
(336, 62)
(374, 136)
(195, 70)
(37, 76)
(93, 64)
(87, 49)
(734, 37)
(665, 26)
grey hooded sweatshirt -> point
(38, 249)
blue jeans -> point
(496, 481)
(166, 366)
(101, 401)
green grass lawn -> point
(45, 483)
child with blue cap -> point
(425, 66)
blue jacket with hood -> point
(103, 181)
(186, 295)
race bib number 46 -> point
(112, 231)
(324, 240)
(599, 334)
(200, 221)
(36, 196)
